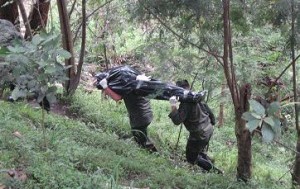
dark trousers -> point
(195, 154)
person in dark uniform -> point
(199, 125)
(139, 112)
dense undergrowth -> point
(95, 150)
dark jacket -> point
(194, 119)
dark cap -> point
(183, 83)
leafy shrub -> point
(34, 67)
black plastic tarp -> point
(122, 80)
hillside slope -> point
(95, 151)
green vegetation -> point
(92, 151)
(92, 146)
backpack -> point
(204, 107)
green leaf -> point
(267, 133)
(273, 108)
(40, 97)
(31, 84)
(248, 116)
(63, 53)
(52, 89)
(17, 49)
(42, 64)
(51, 97)
(3, 51)
(277, 123)
(253, 124)
(269, 121)
(50, 40)
(256, 115)
(36, 40)
(17, 93)
(50, 70)
(257, 107)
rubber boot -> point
(141, 138)
(205, 156)
(204, 163)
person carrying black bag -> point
(139, 112)
(200, 128)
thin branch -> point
(210, 50)
(281, 74)
(83, 41)
(287, 67)
(285, 173)
(180, 36)
(287, 147)
(277, 142)
(88, 16)
(194, 79)
(25, 19)
(72, 8)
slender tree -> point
(240, 101)
(67, 45)
(296, 172)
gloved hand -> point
(103, 83)
(143, 77)
(173, 100)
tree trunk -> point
(244, 165)
(296, 171)
(76, 80)
(67, 45)
(221, 108)
(239, 99)
(38, 16)
(10, 12)
(24, 17)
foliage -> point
(92, 154)
(35, 67)
(267, 119)
(150, 42)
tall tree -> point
(67, 45)
(240, 99)
(296, 172)
(188, 19)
